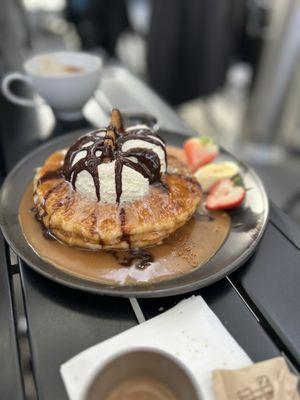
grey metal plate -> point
(248, 225)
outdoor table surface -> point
(11, 385)
(258, 304)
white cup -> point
(65, 81)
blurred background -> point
(230, 68)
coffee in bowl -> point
(142, 388)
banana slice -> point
(211, 173)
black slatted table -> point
(11, 385)
(258, 304)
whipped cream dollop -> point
(113, 166)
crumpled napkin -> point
(269, 379)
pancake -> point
(79, 221)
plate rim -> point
(138, 291)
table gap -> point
(242, 298)
(137, 310)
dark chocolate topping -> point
(148, 162)
(55, 174)
(140, 258)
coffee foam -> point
(51, 66)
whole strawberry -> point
(200, 151)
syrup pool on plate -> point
(188, 248)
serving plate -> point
(248, 223)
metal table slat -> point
(11, 385)
(271, 279)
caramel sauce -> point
(188, 248)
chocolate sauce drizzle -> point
(101, 148)
(125, 237)
(46, 232)
(90, 162)
(56, 174)
(140, 258)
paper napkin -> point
(190, 331)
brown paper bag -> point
(267, 380)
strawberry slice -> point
(224, 195)
(200, 151)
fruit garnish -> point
(200, 151)
(211, 173)
(224, 195)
